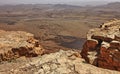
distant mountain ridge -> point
(43, 6)
(114, 6)
(109, 5)
(69, 2)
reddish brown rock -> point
(117, 38)
(115, 45)
(107, 49)
(106, 39)
(88, 46)
(108, 59)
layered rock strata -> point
(102, 47)
(14, 44)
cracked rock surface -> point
(62, 62)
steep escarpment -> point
(102, 47)
(14, 44)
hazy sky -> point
(50, 1)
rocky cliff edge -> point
(14, 44)
(102, 47)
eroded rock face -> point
(102, 47)
(14, 44)
(62, 62)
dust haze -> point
(71, 2)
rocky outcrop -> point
(14, 44)
(62, 62)
(102, 47)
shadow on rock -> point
(69, 41)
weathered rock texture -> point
(14, 44)
(62, 62)
(102, 47)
